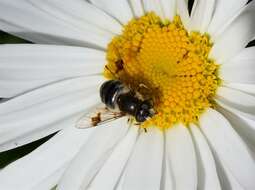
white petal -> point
(144, 168)
(236, 36)
(243, 125)
(224, 13)
(119, 9)
(249, 113)
(93, 155)
(229, 149)
(236, 99)
(65, 22)
(50, 92)
(202, 14)
(25, 120)
(246, 54)
(169, 8)
(155, 6)
(52, 61)
(228, 181)
(240, 71)
(137, 7)
(248, 88)
(108, 176)
(10, 89)
(207, 174)
(182, 10)
(25, 67)
(79, 10)
(43, 168)
(181, 157)
(167, 178)
(240, 68)
(120, 183)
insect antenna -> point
(112, 73)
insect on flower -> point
(118, 100)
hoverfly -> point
(118, 100)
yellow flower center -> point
(167, 65)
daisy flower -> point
(195, 68)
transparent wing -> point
(97, 117)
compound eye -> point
(142, 115)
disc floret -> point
(166, 64)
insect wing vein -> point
(98, 117)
